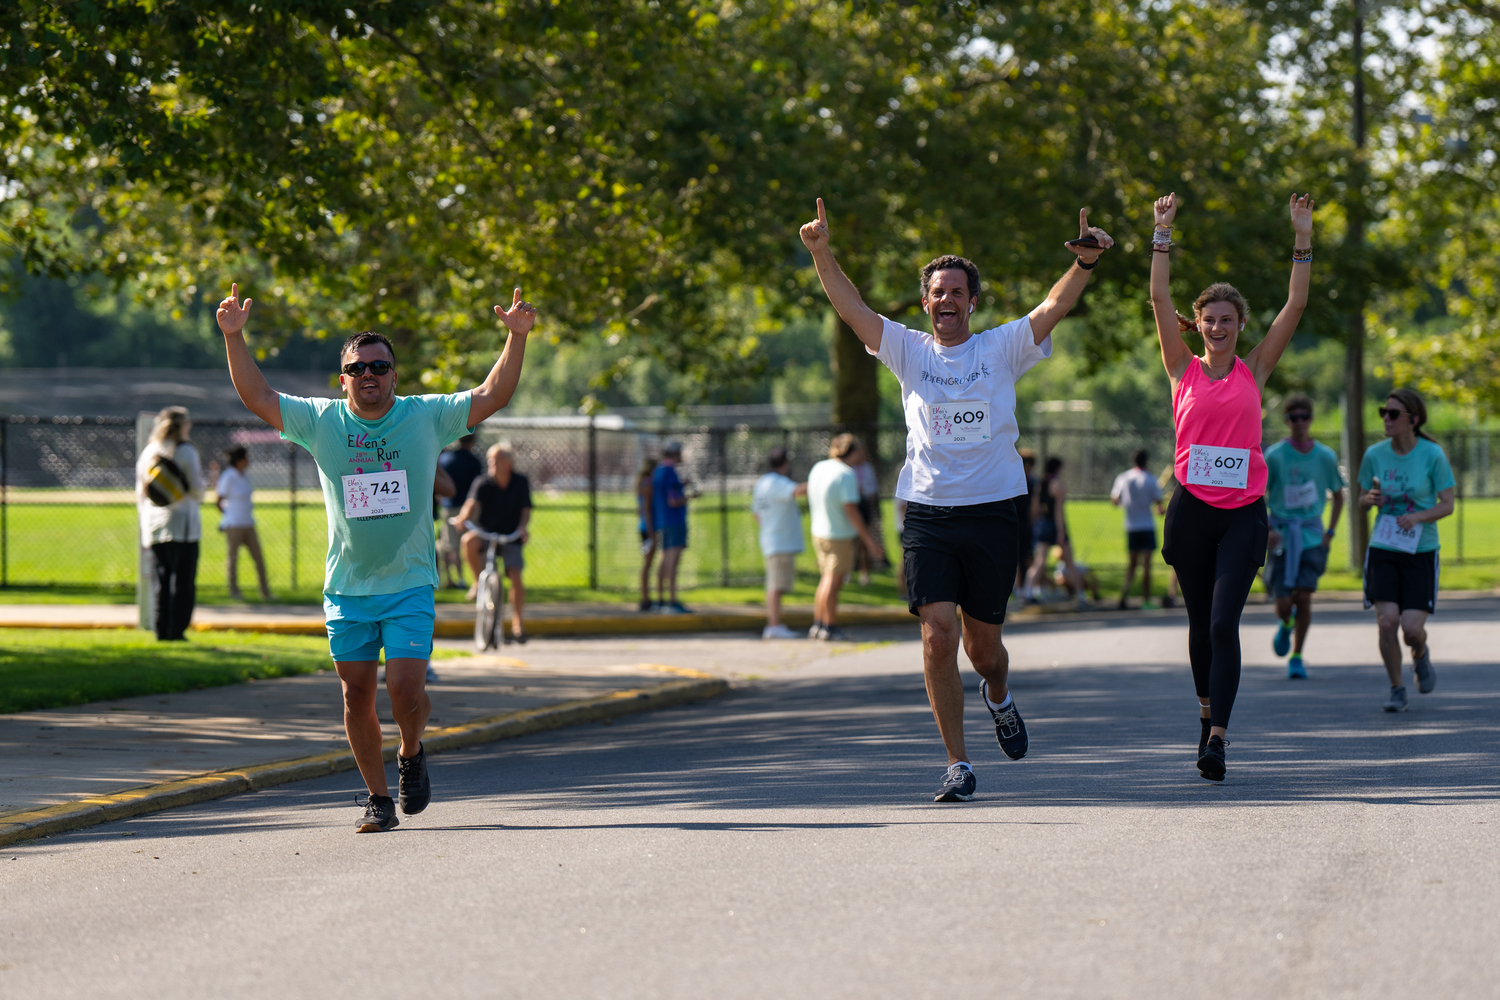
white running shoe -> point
(778, 632)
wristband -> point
(1301, 256)
(1087, 267)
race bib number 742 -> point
(1210, 465)
(373, 494)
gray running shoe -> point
(1426, 676)
(1397, 701)
(958, 785)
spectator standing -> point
(462, 467)
(1026, 513)
(869, 511)
(1051, 528)
(500, 503)
(169, 488)
(833, 497)
(1136, 491)
(645, 526)
(774, 503)
(233, 497)
(669, 516)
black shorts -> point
(1141, 541)
(1406, 579)
(966, 555)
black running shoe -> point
(958, 785)
(1211, 761)
(1010, 728)
(1203, 740)
(380, 814)
(416, 789)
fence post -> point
(4, 504)
(723, 508)
(593, 505)
(291, 469)
(1463, 472)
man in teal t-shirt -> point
(376, 454)
(1300, 475)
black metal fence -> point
(68, 514)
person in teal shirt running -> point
(1408, 480)
(1300, 475)
(377, 454)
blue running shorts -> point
(358, 626)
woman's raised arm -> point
(1262, 360)
(1175, 354)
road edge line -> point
(78, 814)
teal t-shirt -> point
(386, 553)
(1295, 478)
(1409, 482)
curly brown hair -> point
(955, 263)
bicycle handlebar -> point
(490, 536)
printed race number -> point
(1300, 496)
(1391, 535)
(963, 421)
(1209, 465)
(373, 494)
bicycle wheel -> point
(487, 613)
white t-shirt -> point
(960, 407)
(234, 489)
(775, 503)
(830, 485)
(180, 522)
(1136, 490)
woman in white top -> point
(171, 530)
(238, 521)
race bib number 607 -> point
(373, 494)
(963, 421)
(1209, 465)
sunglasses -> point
(1390, 413)
(357, 368)
(1298, 417)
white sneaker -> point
(777, 632)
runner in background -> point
(1216, 528)
(1300, 475)
(1137, 492)
(377, 458)
(1409, 482)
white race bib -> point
(372, 494)
(1209, 465)
(1301, 495)
(962, 421)
(1391, 535)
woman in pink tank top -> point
(1216, 527)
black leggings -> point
(1216, 553)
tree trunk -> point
(1354, 357)
(856, 387)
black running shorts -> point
(1406, 579)
(966, 555)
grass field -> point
(81, 553)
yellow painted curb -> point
(29, 824)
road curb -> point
(29, 824)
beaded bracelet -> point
(1161, 247)
(1301, 256)
(1161, 239)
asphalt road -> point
(782, 842)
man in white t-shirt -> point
(1136, 490)
(774, 504)
(838, 530)
(962, 473)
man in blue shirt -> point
(669, 515)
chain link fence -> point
(68, 515)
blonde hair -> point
(501, 448)
(167, 432)
(842, 446)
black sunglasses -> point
(1389, 413)
(1298, 417)
(357, 368)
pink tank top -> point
(1225, 417)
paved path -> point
(782, 842)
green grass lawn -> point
(73, 553)
(48, 668)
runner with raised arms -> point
(963, 482)
(1216, 528)
(375, 452)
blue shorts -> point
(672, 536)
(358, 626)
(1313, 564)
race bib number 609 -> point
(963, 421)
(374, 494)
(1209, 465)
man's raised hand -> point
(520, 317)
(1086, 253)
(815, 233)
(232, 315)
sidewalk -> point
(72, 767)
